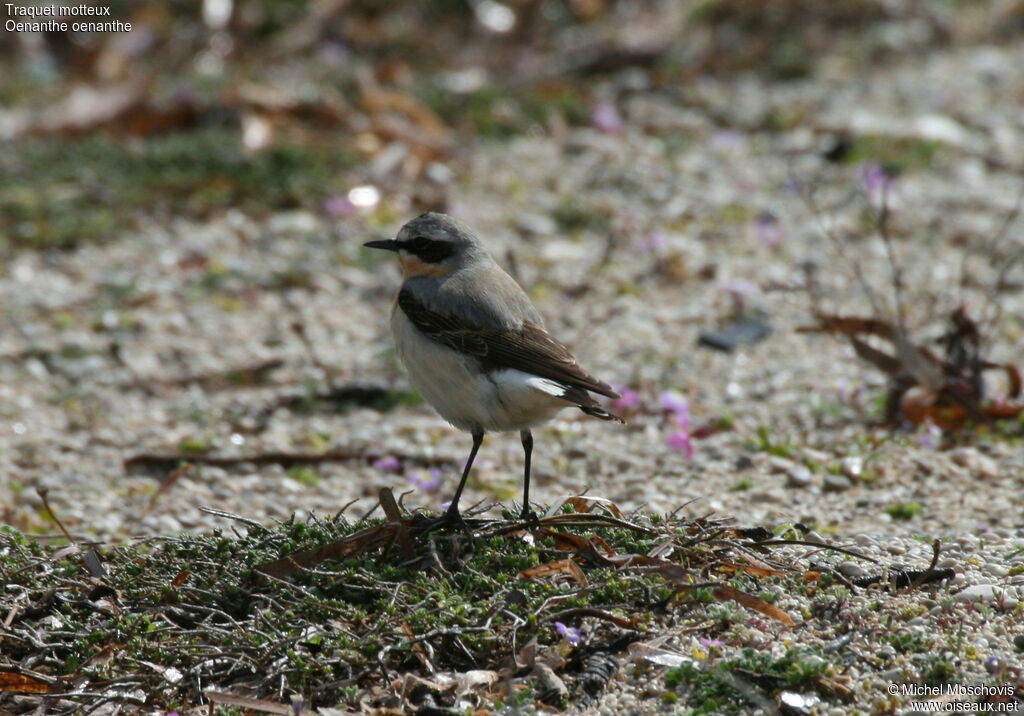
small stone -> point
(852, 467)
(851, 570)
(975, 463)
(799, 476)
(780, 464)
(837, 483)
(995, 570)
(1002, 597)
(895, 548)
(891, 676)
(815, 537)
(1018, 641)
(817, 455)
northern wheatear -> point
(474, 345)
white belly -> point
(465, 397)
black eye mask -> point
(428, 250)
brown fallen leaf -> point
(725, 593)
(563, 566)
(757, 571)
(261, 705)
(22, 683)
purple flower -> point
(768, 230)
(653, 243)
(874, 177)
(426, 480)
(931, 438)
(674, 402)
(571, 634)
(729, 139)
(711, 642)
(738, 287)
(627, 400)
(339, 205)
(607, 118)
(388, 464)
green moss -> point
(904, 510)
(66, 192)
(895, 154)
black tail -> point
(598, 412)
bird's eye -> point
(419, 243)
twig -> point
(805, 543)
(285, 459)
(924, 576)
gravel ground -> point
(99, 339)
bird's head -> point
(432, 244)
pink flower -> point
(339, 205)
(680, 442)
(607, 119)
(711, 642)
(674, 402)
(388, 464)
(628, 399)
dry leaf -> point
(564, 566)
(724, 593)
(22, 683)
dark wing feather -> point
(529, 349)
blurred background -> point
(265, 106)
(679, 185)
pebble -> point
(1003, 597)
(852, 570)
(995, 570)
(852, 466)
(837, 483)
(799, 476)
(974, 462)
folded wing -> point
(529, 348)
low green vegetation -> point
(62, 193)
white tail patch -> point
(547, 386)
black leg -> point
(453, 508)
(527, 438)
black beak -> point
(386, 244)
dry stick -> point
(854, 265)
(895, 271)
(818, 545)
(285, 459)
(1008, 264)
(936, 549)
(232, 516)
(43, 492)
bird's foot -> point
(451, 518)
(529, 516)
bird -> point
(474, 345)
